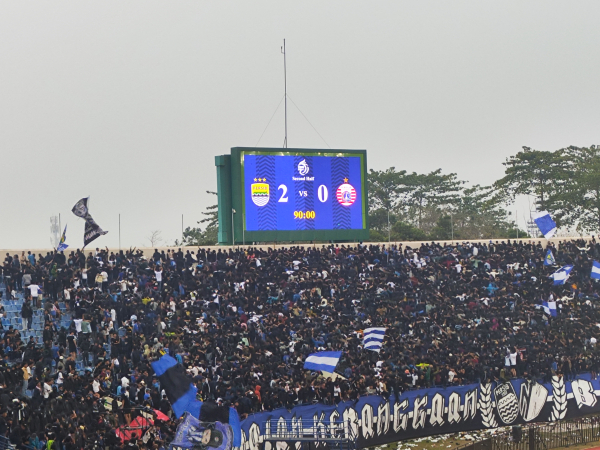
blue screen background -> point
(279, 170)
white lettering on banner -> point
(254, 437)
(454, 408)
(320, 427)
(281, 427)
(296, 425)
(470, 405)
(383, 418)
(367, 421)
(437, 410)
(381, 421)
(400, 418)
(335, 428)
(583, 392)
(350, 418)
(244, 444)
(419, 412)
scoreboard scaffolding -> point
(292, 195)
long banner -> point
(378, 420)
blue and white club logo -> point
(303, 167)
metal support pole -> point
(232, 227)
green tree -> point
(405, 232)
(443, 229)
(576, 202)
(534, 172)
(431, 192)
(385, 187)
(480, 214)
(195, 236)
(378, 220)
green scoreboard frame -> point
(230, 190)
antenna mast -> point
(285, 141)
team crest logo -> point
(507, 402)
(260, 192)
(533, 398)
(303, 168)
(346, 194)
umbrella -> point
(160, 415)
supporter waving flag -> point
(373, 338)
(561, 275)
(550, 308)
(322, 361)
(549, 258)
(182, 396)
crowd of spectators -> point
(242, 321)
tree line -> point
(440, 206)
(564, 182)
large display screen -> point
(309, 191)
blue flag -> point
(192, 433)
(595, 270)
(549, 258)
(561, 275)
(322, 361)
(545, 223)
(61, 245)
(182, 396)
(550, 308)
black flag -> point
(81, 208)
(92, 231)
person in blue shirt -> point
(31, 258)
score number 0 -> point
(322, 193)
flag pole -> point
(119, 231)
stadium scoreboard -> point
(283, 195)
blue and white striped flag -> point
(545, 223)
(322, 361)
(561, 275)
(595, 270)
(373, 338)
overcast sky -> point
(129, 101)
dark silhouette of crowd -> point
(242, 321)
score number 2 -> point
(322, 193)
